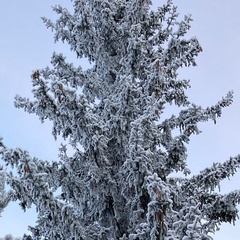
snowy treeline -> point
(10, 237)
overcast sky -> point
(26, 44)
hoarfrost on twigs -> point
(117, 184)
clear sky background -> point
(26, 44)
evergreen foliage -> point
(4, 196)
(118, 184)
(26, 237)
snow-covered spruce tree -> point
(4, 196)
(26, 237)
(118, 184)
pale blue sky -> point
(26, 44)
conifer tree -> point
(118, 183)
(26, 237)
(4, 196)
